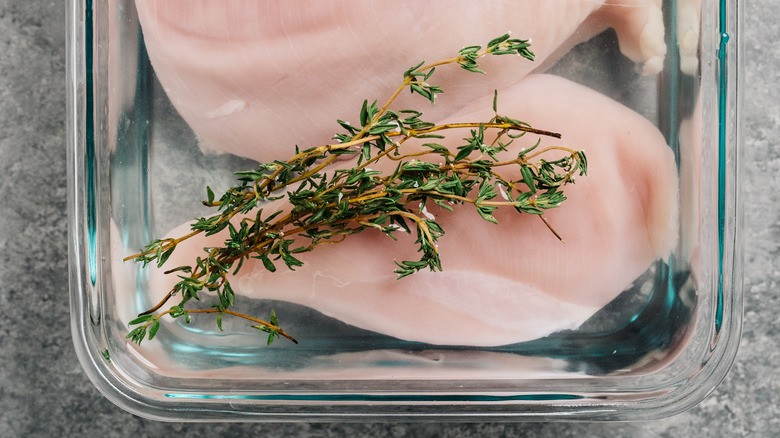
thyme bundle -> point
(326, 207)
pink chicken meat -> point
(253, 78)
(509, 282)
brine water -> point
(159, 176)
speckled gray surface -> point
(44, 392)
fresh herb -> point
(326, 207)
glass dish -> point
(136, 170)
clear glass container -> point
(141, 151)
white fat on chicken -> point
(688, 34)
(256, 78)
(503, 283)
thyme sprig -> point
(327, 207)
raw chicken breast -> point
(509, 282)
(253, 78)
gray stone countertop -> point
(44, 392)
